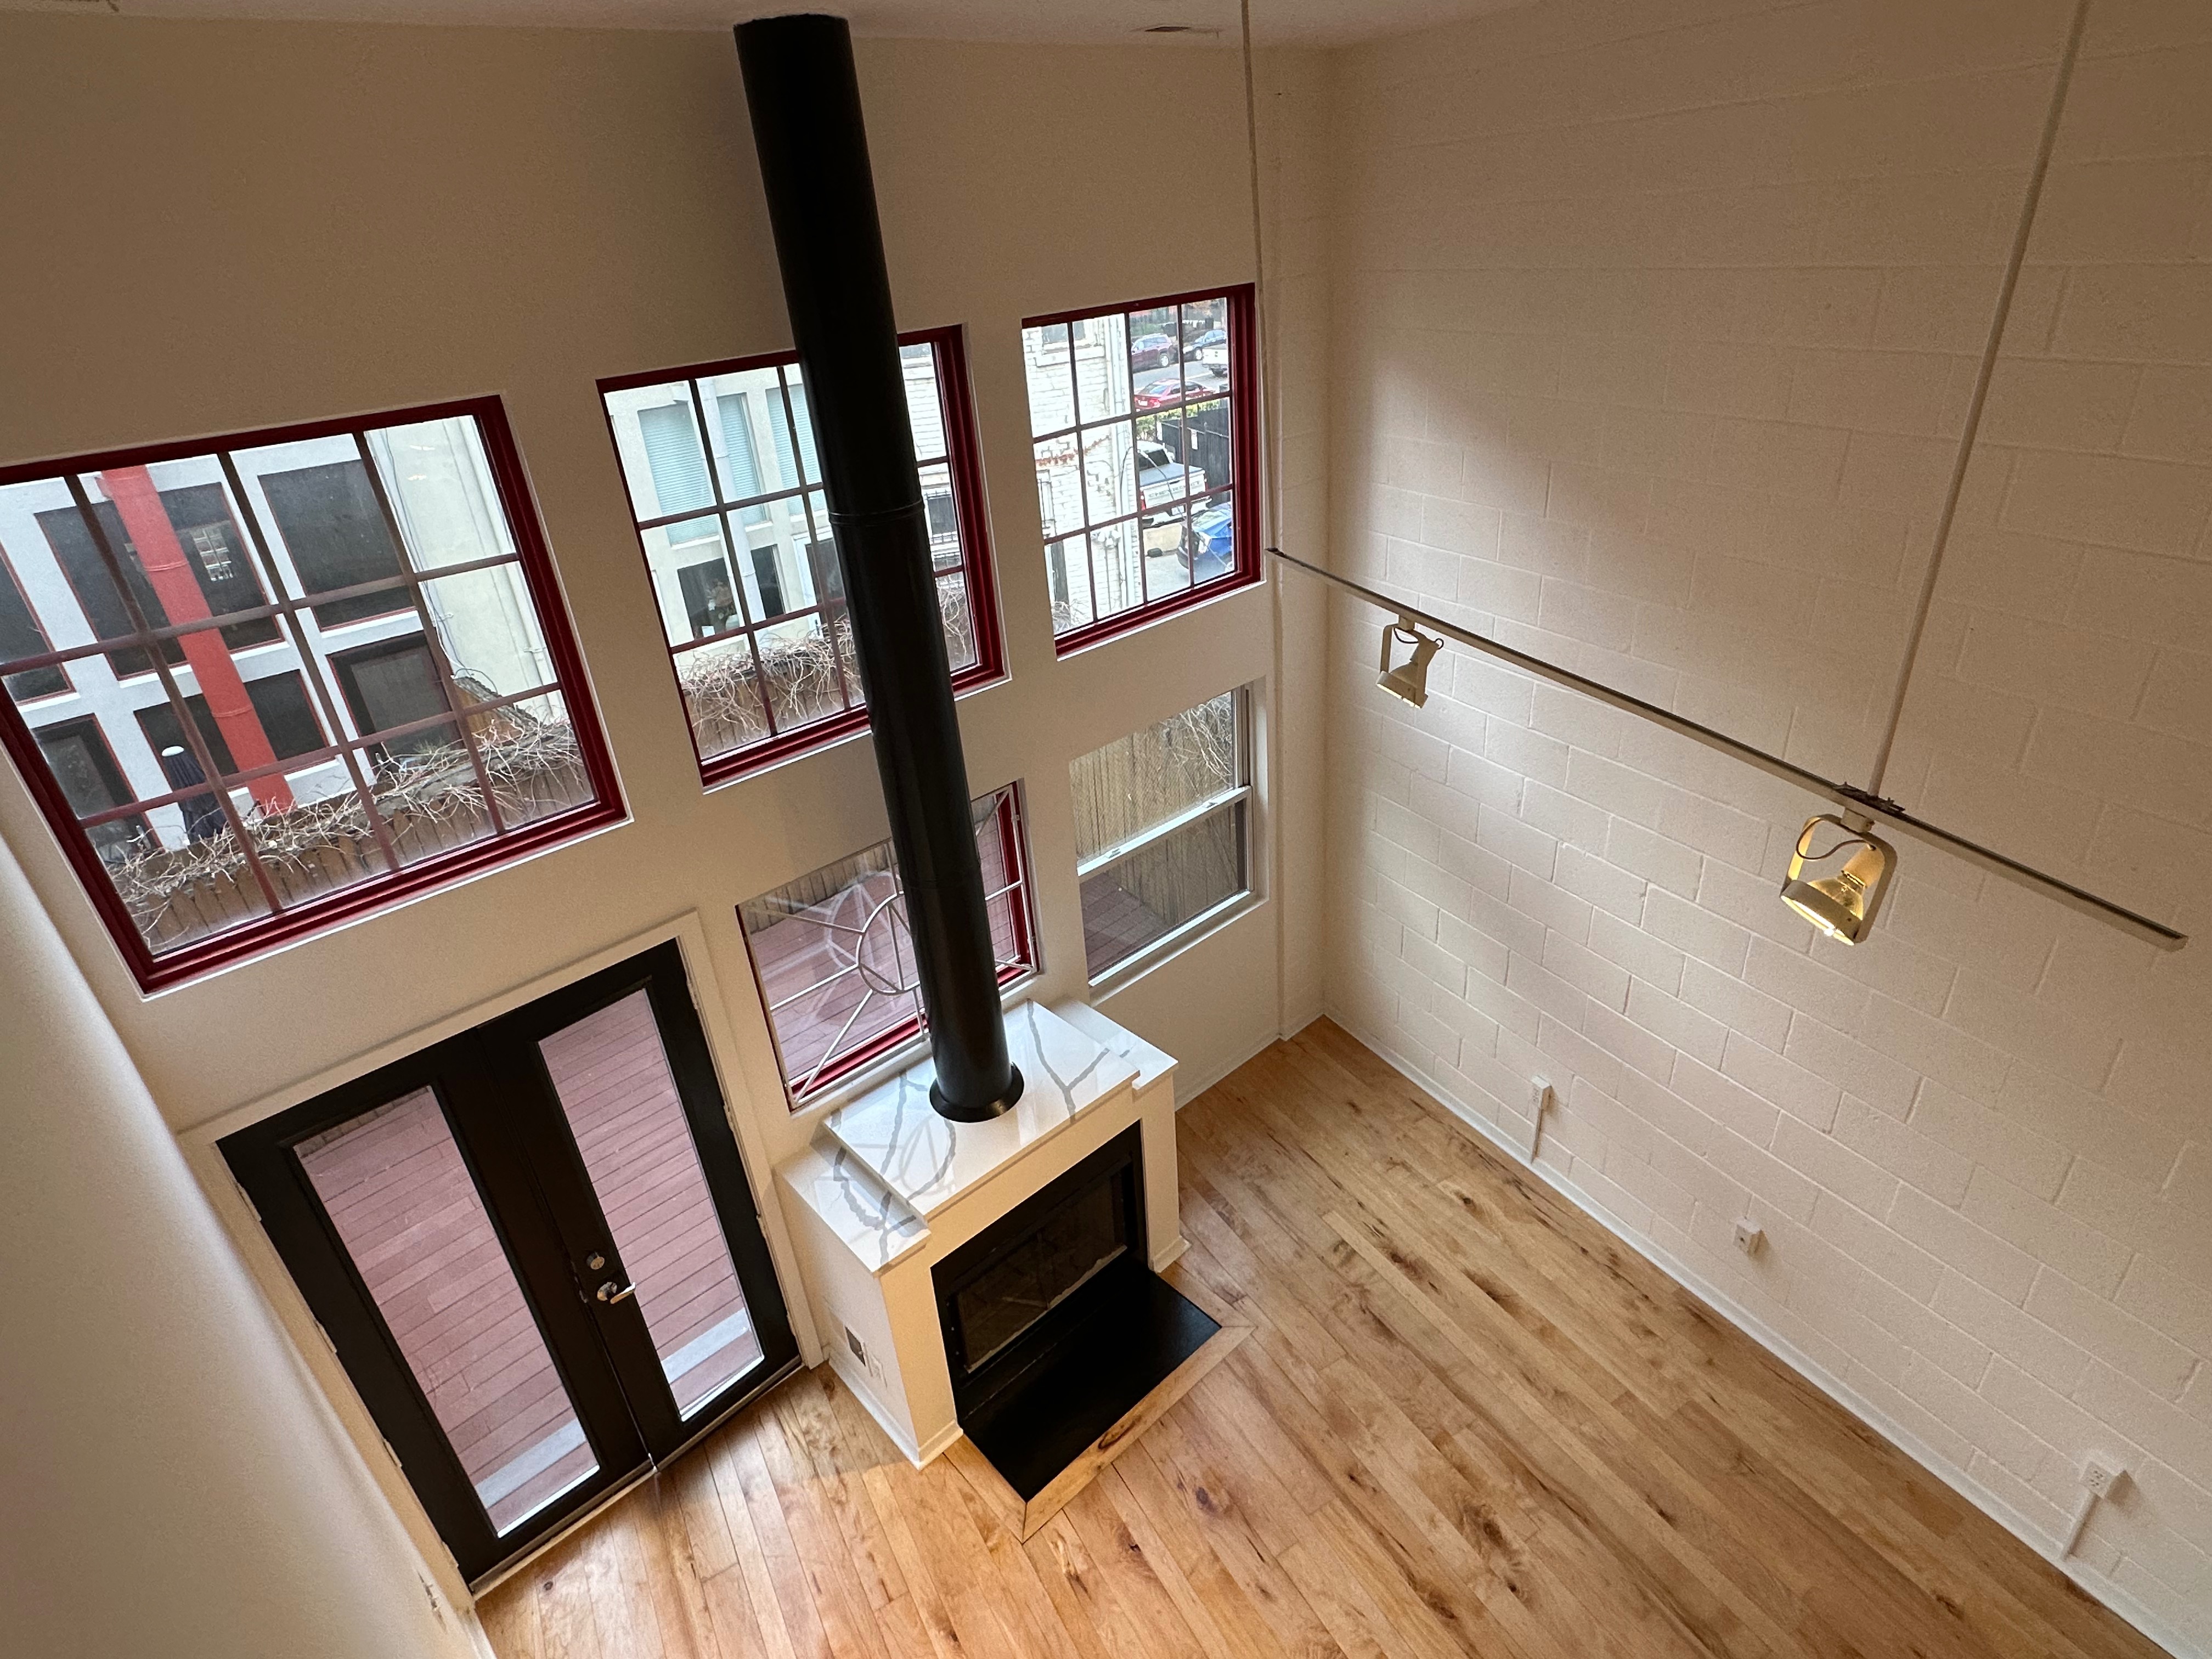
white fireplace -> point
(889, 1189)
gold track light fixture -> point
(1410, 678)
(1840, 871)
(1839, 888)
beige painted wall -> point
(1634, 329)
(1655, 328)
(245, 224)
(240, 225)
(174, 1483)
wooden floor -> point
(1467, 1421)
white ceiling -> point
(1084, 21)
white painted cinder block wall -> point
(1655, 325)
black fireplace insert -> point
(1054, 1325)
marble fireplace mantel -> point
(889, 1189)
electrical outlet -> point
(1750, 1237)
(872, 1363)
(2102, 1475)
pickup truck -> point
(1162, 481)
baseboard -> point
(1173, 1253)
(863, 1388)
(1187, 1092)
(2093, 1584)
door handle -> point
(611, 1292)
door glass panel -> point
(404, 1203)
(612, 1074)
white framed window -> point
(1163, 831)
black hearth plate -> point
(1036, 1427)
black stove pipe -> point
(813, 149)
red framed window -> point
(1145, 420)
(263, 682)
(835, 962)
(726, 490)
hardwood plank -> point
(771, 1635)
(691, 1512)
(1030, 1618)
(1191, 1484)
(840, 1600)
(510, 1623)
(730, 1615)
(953, 1549)
(1132, 1576)
(1464, 1419)
(568, 1603)
(1212, 1603)
(923, 1606)
(817, 1627)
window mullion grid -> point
(815, 537)
(62, 657)
(751, 624)
(952, 480)
(751, 627)
(760, 677)
(822, 984)
(426, 723)
(1012, 842)
(310, 670)
(830, 1053)
(316, 756)
(1121, 850)
(1137, 472)
(662, 520)
(209, 772)
(1082, 483)
(431, 643)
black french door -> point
(534, 1249)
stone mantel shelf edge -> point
(887, 1188)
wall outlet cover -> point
(2103, 1475)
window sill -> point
(1128, 622)
(726, 770)
(1170, 946)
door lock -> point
(611, 1292)
(595, 1261)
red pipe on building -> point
(175, 583)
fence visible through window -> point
(726, 490)
(1161, 832)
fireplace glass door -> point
(1007, 1295)
(534, 1248)
(1075, 1244)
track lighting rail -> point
(1879, 809)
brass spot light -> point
(1410, 678)
(1839, 889)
